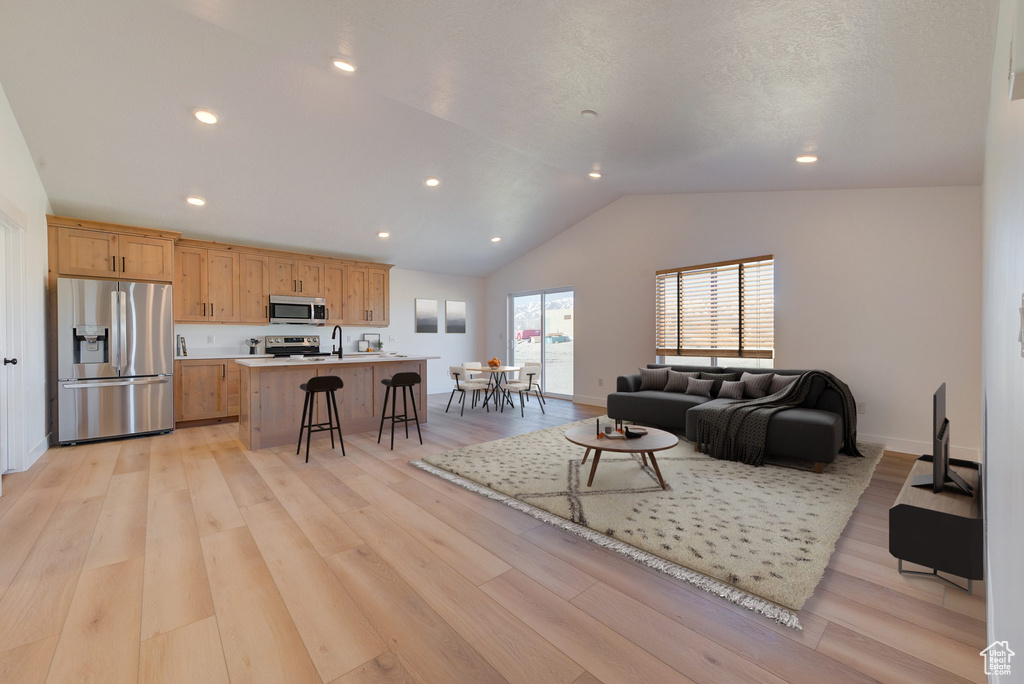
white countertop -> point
(325, 360)
(228, 355)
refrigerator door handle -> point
(122, 322)
(159, 380)
(116, 340)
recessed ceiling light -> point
(594, 174)
(807, 159)
(206, 117)
(196, 201)
(383, 234)
(344, 66)
(432, 182)
(588, 114)
(495, 239)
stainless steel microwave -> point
(298, 310)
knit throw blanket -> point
(738, 431)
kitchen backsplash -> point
(230, 339)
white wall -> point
(23, 200)
(405, 287)
(1003, 362)
(881, 287)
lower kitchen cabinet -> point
(205, 389)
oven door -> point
(297, 310)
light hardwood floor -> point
(184, 558)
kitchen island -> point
(270, 410)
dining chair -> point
(463, 385)
(529, 380)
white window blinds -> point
(725, 309)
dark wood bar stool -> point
(407, 382)
(327, 385)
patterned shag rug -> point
(760, 537)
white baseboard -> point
(590, 401)
(909, 446)
(38, 450)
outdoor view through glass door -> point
(541, 331)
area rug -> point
(760, 537)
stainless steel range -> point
(284, 345)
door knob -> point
(13, 362)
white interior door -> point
(4, 417)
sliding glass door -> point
(541, 331)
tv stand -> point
(943, 531)
(951, 479)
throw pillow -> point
(717, 379)
(755, 385)
(677, 381)
(781, 382)
(731, 389)
(653, 378)
(698, 387)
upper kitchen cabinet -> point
(299, 277)
(206, 285)
(101, 250)
(335, 281)
(146, 258)
(367, 300)
(87, 253)
(254, 288)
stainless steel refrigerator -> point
(115, 359)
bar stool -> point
(327, 385)
(405, 381)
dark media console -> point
(944, 531)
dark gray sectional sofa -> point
(811, 432)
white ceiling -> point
(693, 96)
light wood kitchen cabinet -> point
(377, 296)
(335, 280)
(103, 254)
(87, 253)
(190, 284)
(367, 301)
(254, 288)
(223, 286)
(296, 277)
(206, 285)
(200, 389)
(233, 373)
(146, 258)
(356, 310)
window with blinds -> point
(725, 309)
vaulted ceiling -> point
(691, 95)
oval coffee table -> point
(654, 440)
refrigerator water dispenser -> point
(91, 344)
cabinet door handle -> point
(224, 371)
(266, 312)
(113, 263)
(300, 286)
(204, 308)
(295, 286)
(123, 269)
(211, 309)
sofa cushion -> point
(700, 387)
(661, 409)
(717, 379)
(755, 385)
(781, 382)
(799, 433)
(677, 380)
(653, 378)
(731, 389)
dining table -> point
(496, 384)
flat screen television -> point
(941, 474)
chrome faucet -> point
(337, 331)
